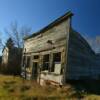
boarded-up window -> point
(57, 69)
(45, 62)
(36, 57)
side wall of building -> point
(81, 59)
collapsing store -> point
(57, 53)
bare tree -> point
(1, 42)
(18, 33)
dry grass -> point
(15, 88)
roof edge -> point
(57, 21)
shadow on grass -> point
(9, 82)
(85, 87)
(25, 88)
(9, 86)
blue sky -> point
(39, 13)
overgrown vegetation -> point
(15, 88)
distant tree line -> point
(14, 44)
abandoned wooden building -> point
(58, 53)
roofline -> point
(84, 39)
(55, 22)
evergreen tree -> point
(10, 43)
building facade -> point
(57, 53)
(5, 56)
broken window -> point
(45, 62)
(36, 57)
(28, 61)
(56, 66)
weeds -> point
(24, 88)
(17, 89)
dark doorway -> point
(35, 70)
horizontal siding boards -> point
(44, 45)
(56, 34)
(82, 47)
(79, 47)
(80, 57)
(80, 69)
(97, 60)
(76, 37)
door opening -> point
(35, 70)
